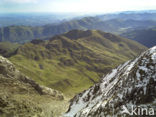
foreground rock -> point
(129, 90)
(22, 97)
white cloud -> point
(21, 1)
(102, 5)
(84, 6)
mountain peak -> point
(130, 84)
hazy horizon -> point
(75, 6)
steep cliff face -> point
(22, 97)
(127, 90)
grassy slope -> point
(73, 63)
(24, 102)
(22, 97)
(7, 48)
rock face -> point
(127, 90)
(19, 95)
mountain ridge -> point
(60, 58)
(23, 34)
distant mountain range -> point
(127, 91)
(65, 62)
(146, 37)
(133, 15)
(24, 33)
(40, 19)
(33, 19)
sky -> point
(75, 6)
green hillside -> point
(74, 61)
(7, 49)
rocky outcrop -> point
(52, 92)
(19, 95)
(8, 70)
(129, 90)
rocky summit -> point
(129, 90)
(22, 97)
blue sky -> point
(78, 6)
